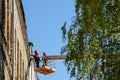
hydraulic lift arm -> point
(55, 57)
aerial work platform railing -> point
(47, 69)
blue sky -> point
(44, 19)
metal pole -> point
(13, 35)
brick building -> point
(16, 44)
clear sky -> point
(44, 19)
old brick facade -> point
(22, 54)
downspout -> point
(13, 35)
(30, 66)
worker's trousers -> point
(37, 60)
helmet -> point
(36, 51)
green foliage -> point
(63, 31)
(95, 30)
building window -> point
(8, 27)
(20, 65)
(1, 67)
(23, 72)
(18, 56)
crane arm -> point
(55, 57)
(101, 55)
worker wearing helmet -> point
(44, 60)
(37, 58)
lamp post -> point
(13, 39)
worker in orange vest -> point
(37, 58)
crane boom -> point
(46, 69)
(55, 57)
(100, 55)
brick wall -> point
(1, 42)
(6, 40)
(0, 12)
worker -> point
(44, 60)
(37, 58)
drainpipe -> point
(13, 35)
(30, 63)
